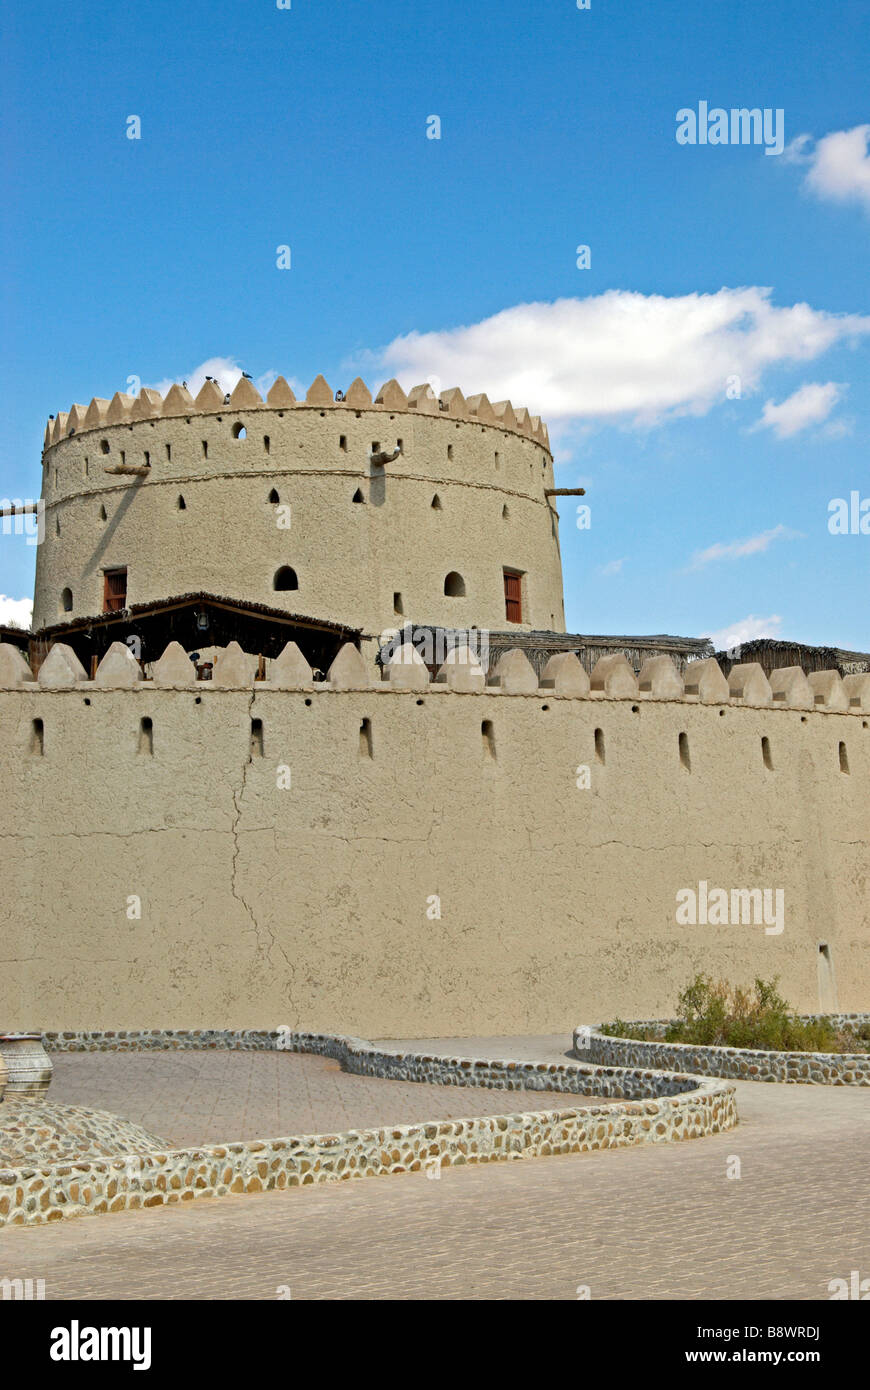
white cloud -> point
(227, 373)
(621, 354)
(838, 164)
(737, 550)
(809, 405)
(16, 612)
(744, 630)
(612, 567)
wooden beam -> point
(564, 492)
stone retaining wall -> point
(810, 1068)
(657, 1107)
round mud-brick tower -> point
(369, 513)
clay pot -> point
(28, 1064)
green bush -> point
(712, 1013)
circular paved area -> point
(654, 1222)
(217, 1097)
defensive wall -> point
(372, 505)
(406, 858)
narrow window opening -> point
(87, 466)
(285, 578)
(365, 738)
(257, 746)
(342, 443)
(205, 448)
(844, 758)
(123, 458)
(398, 606)
(450, 451)
(766, 754)
(599, 746)
(487, 734)
(827, 983)
(66, 601)
(146, 736)
(103, 516)
(37, 738)
(513, 596)
(436, 504)
(104, 445)
(168, 453)
(114, 590)
(454, 585)
(57, 525)
(267, 444)
(684, 752)
(239, 431)
(182, 505)
(505, 513)
(358, 497)
(147, 459)
(273, 496)
(400, 445)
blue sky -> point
(412, 256)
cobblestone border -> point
(809, 1068)
(658, 1107)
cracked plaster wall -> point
(264, 907)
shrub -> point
(712, 1013)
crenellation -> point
(245, 395)
(148, 405)
(660, 678)
(391, 396)
(828, 690)
(789, 686)
(480, 408)
(320, 392)
(120, 409)
(96, 413)
(61, 669)
(178, 401)
(748, 683)
(358, 396)
(280, 394)
(210, 397)
(857, 689)
(612, 675)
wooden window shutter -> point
(114, 590)
(513, 597)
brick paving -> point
(213, 1097)
(646, 1223)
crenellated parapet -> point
(612, 678)
(212, 400)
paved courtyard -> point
(213, 1097)
(654, 1222)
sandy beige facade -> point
(464, 497)
(391, 857)
(316, 903)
